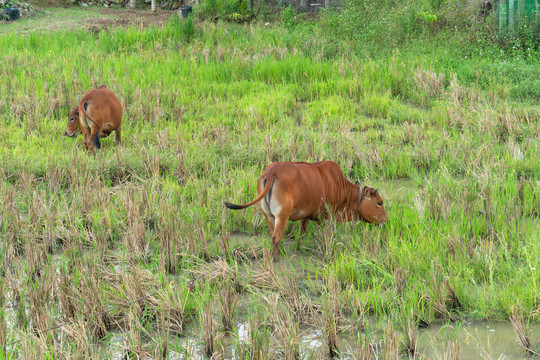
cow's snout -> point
(65, 133)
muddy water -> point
(240, 238)
(474, 341)
(495, 340)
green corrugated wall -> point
(514, 13)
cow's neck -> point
(356, 198)
(346, 200)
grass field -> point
(132, 252)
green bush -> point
(367, 24)
(6, 4)
(229, 10)
(289, 17)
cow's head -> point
(73, 126)
(371, 207)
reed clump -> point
(522, 332)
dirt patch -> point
(123, 18)
(92, 19)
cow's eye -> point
(71, 120)
(379, 203)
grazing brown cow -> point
(99, 112)
(301, 191)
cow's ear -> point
(366, 193)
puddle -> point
(180, 348)
(240, 238)
(299, 262)
(311, 340)
(492, 340)
(486, 340)
(476, 341)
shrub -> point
(230, 10)
(289, 17)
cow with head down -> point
(98, 114)
(302, 191)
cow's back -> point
(104, 106)
(308, 186)
(336, 185)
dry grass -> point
(168, 229)
(400, 280)
(227, 301)
(133, 284)
(326, 239)
(212, 272)
(442, 296)
(258, 340)
(301, 306)
(450, 351)
(77, 332)
(134, 347)
(207, 329)
(286, 328)
(3, 320)
(410, 328)
(390, 344)
(522, 333)
(430, 84)
(39, 299)
(332, 315)
(367, 348)
(135, 240)
(172, 311)
(33, 346)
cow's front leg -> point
(117, 132)
(86, 135)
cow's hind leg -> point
(281, 224)
(265, 207)
(94, 141)
(271, 222)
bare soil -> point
(126, 17)
(51, 19)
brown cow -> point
(301, 191)
(99, 112)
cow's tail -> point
(269, 182)
(83, 110)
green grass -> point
(449, 136)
